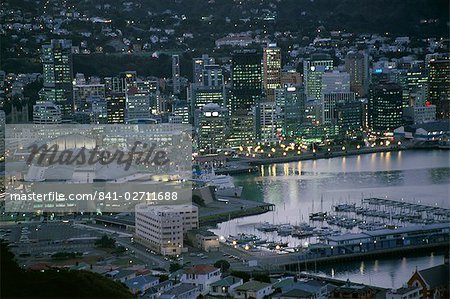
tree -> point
(174, 267)
(222, 264)
(105, 242)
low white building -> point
(253, 289)
(162, 228)
(202, 276)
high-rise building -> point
(203, 95)
(330, 101)
(137, 104)
(212, 76)
(291, 101)
(400, 77)
(245, 80)
(349, 115)
(290, 77)
(271, 70)
(438, 85)
(198, 66)
(58, 75)
(211, 123)
(81, 92)
(181, 111)
(45, 113)
(385, 107)
(335, 81)
(266, 122)
(115, 108)
(357, 65)
(313, 68)
(241, 129)
(176, 80)
(162, 228)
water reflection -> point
(297, 188)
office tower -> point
(385, 107)
(266, 122)
(357, 65)
(198, 66)
(212, 76)
(291, 101)
(2, 143)
(211, 123)
(203, 95)
(290, 77)
(271, 70)
(97, 110)
(313, 68)
(82, 91)
(115, 108)
(162, 228)
(181, 111)
(241, 129)
(330, 100)
(438, 85)
(245, 80)
(58, 75)
(417, 78)
(349, 115)
(138, 104)
(176, 83)
(45, 113)
(400, 77)
(335, 81)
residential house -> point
(253, 289)
(182, 291)
(202, 276)
(140, 284)
(225, 287)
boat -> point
(319, 216)
(223, 184)
(266, 227)
(285, 229)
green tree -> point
(105, 242)
(223, 265)
(174, 267)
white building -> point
(138, 104)
(253, 289)
(420, 114)
(46, 113)
(202, 276)
(162, 227)
(267, 122)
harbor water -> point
(300, 188)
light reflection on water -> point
(297, 189)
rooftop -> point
(252, 285)
(201, 269)
(227, 281)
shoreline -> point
(250, 165)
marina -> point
(299, 189)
